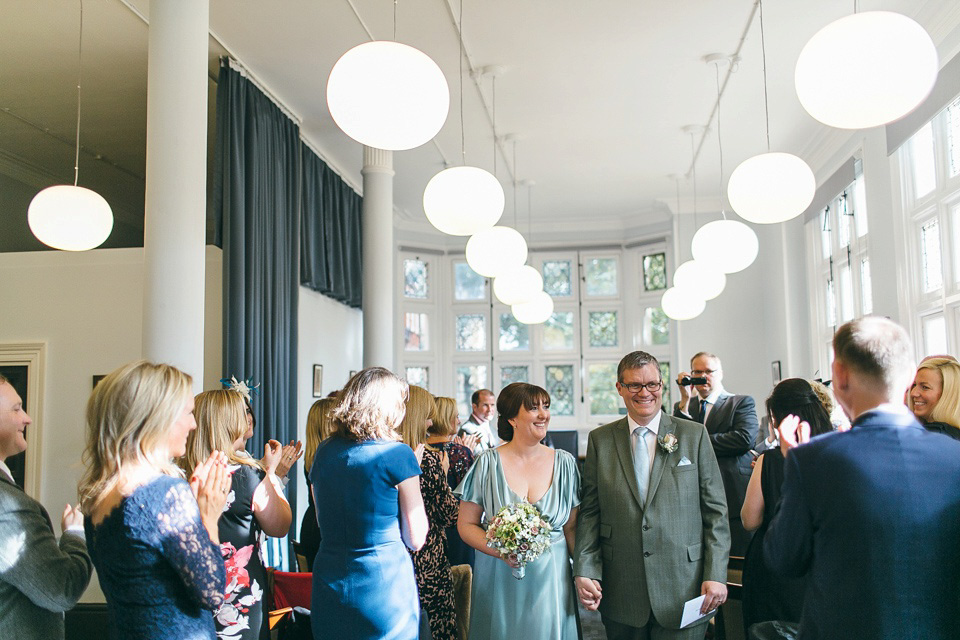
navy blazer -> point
(874, 516)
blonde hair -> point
(420, 408)
(129, 416)
(947, 409)
(221, 420)
(320, 426)
(447, 418)
(371, 406)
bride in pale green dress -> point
(541, 605)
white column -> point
(377, 258)
(176, 195)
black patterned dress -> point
(430, 565)
(241, 615)
(461, 459)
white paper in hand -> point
(691, 612)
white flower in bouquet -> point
(519, 530)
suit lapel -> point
(621, 436)
(721, 399)
(659, 457)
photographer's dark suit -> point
(732, 425)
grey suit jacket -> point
(652, 556)
(39, 578)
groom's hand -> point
(589, 592)
(716, 593)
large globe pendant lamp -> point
(70, 218)
(682, 304)
(866, 70)
(518, 285)
(771, 187)
(464, 200)
(496, 250)
(727, 245)
(388, 95)
(535, 311)
(702, 280)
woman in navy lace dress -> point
(442, 435)
(255, 505)
(152, 536)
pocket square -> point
(684, 462)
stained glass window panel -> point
(469, 379)
(831, 301)
(866, 287)
(846, 294)
(558, 278)
(558, 381)
(415, 279)
(930, 255)
(416, 334)
(667, 381)
(602, 382)
(419, 376)
(655, 272)
(558, 331)
(602, 328)
(601, 276)
(468, 285)
(656, 326)
(843, 220)
(514, 373)
(471, 332)
(514, 335)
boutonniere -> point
(668, 442)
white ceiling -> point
(597, 92)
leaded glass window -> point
(866, 288)
(831, 305)
(514, 373)
(558, 331)
(930, 255)
(602, 381)
(601, 276)
(415, 279)
(416, 334)
(468, 284)
(602, 328)
(558, 381)
(655, 272)
(667, 379)
(843, 220)
(471, 332)
(656, 326)
(558, 278)
(846, 294)
(419, 376)
(514, 335)
(469, 379)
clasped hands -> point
(793, 432)
(590, 592)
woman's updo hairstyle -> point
(795, 396)
(512, 397)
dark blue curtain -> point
(255, 204)
(330, 233)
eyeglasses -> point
(703, 372)
(634, 387)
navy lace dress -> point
(161, 574)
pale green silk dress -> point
(542, 605)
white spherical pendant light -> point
(495, 250)
(866, 70)
(70, 218)
(681, 304)
(518, 285)
(463, 200)
(535, 311)
(388, 95)
(771, 187)
(727, 245)
(700, 279)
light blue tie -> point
(641, 461)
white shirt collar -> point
(714, 395)
(653, 426)
(6, 471)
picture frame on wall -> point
(775, 372)
(318, 381)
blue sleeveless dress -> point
(363, 583)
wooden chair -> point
(301, 557)
(287, 590)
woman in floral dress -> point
(255, 505)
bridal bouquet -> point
(519, 530)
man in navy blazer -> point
(872, 514)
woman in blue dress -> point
(366, 488)
(541, 605)
(153, 536)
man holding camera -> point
(731, 421)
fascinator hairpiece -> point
(243, 387)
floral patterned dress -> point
(241, 615)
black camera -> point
(686, 381)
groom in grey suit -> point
(39, 578)
(652, 531)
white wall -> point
(87, 308)
(330, 334)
